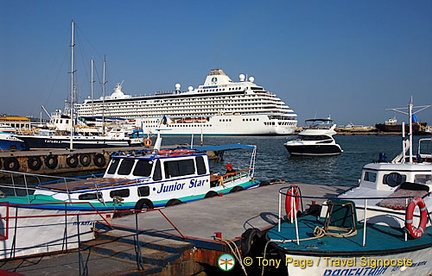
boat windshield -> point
(140, 168)
(143, 168)
(319, 123)
(315, 138)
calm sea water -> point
(274, 162)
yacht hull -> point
(313, 150)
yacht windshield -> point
(315, 138)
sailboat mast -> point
(72, 88)
(92, 83)
(103, 95)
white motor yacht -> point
(315, 140)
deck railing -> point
(366, 207)
(12, 228)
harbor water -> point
(274, 162)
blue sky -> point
(347, 59)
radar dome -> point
(177, 86)
(251, 79)
(190, 88)
(242, 77)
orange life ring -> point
(148, 142)
(291, 208)
(416, 232)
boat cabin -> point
(166, 165)
(387, 176)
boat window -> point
(120, 193)
(126, 166)
(90, 196)
(179, 168)
(315, 138)
(370, 176)
(423, 179)
(143, 191)
(113, 167)
(143, 168)
(157, 175)
(394, 179)
(201, 167)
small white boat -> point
(9, 142)
(315, 140)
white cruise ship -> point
(219, 107)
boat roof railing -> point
(180, 150)
(224, 147)
(163, 152)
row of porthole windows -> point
(251, 119)
(123, 193)
(187, 125)
(225, 120)
(220, 89)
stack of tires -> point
(51, 162)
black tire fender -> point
(237, 189)
(249, 238)
(211, 194)
(99, 160)
(264, 183)
(144, 205)
(85, 159)
(173, 202)
(34, 163)
(11, 164)
(51, 161)
(72, 161)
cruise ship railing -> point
(366, 201)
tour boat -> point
(63, 210)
